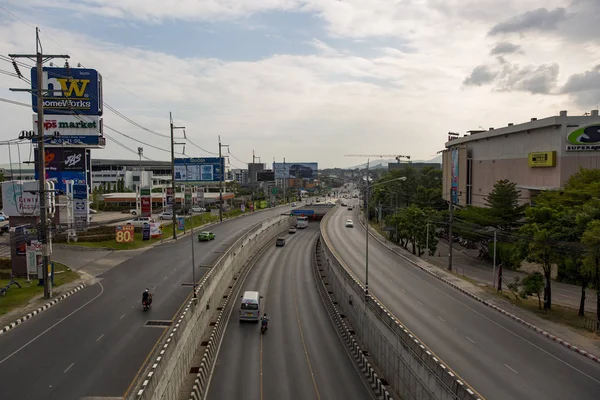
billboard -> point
(454, 175)
(20, 198)
(146, 200)
(295, 170)
(586, 138)
(80, 204)
(74, 90)
(70, 125)
(74, 141)
(265, 176)
(64, 164)
(191, 170)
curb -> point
(489, 304)
(39, 310)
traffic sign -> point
(303, 212)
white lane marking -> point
(164, 278)
(68, 368)
(52, 327)
(403, 291)
(508, 366)
(470, 340)
(419, 302)
(101, 336)
(441, 319)
(121, 317)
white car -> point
(140, 221)
(195, 210)
(349, 223)
(165, 215)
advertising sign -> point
(73, 90)
(454, 175)
(188, 197)
(295, 170)
(155, 230)
(265, 176)
(64, 164)
(169, 196)
(542, 159)
(20, 198)
(586, 138)
(180, 224)
(80, 204)
(124, 233)
(34, 253)
(146, 200)
(70, 125)
(191, 170)
(146, 232)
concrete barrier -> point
(409, 369)
(170, 364)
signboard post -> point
(181, 224)
(146, 200)
(80, 205)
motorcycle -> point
(146, 303)
(263, 327)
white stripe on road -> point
(508, 366)
(68, 368)
(101, 336)
(122, 316)
(470, 340)
(441, 319)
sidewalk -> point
(482, 275)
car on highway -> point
(250, 307)
(3, 217)
(165, 215)
(349, 208)
(292, 230)
(349, 223)
(280, 242)
(140, 221)
(294, 204)
(205, 236)
(197, 210)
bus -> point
(301, 222)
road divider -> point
(408, 368)
(169, 365)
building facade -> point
(240, 176)
(537, 155)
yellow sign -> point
(542, 159)
(124, 233)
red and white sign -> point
(70, 125)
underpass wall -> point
(169, 366)
(409, 367)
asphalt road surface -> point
(94, 343)
(300, 356)
(500, 358)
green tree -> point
(532, 285)
(591, 240)
(542, 251)
(504, 208)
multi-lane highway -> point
(497, 356)
(300, 356)
(94, 343)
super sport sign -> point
(70, 91)
(586, 138)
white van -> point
(251, 306)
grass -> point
(167, 233)
(15, 297)
(559, 314)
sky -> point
(309, 80)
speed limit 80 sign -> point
(124, 233)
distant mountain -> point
(380, 163)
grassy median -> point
(16, 297)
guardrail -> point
(409, 369)
(169, 368)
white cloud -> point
(319, 106)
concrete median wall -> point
(169, 366)
(408, 367)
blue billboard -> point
(72, 91)
(189, 170)
(74, 141)
(64, 164)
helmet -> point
(147, 290)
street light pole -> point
(367, 235)
(173, 127)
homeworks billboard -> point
(295, 170)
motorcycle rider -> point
(147, 296)
(264, 321)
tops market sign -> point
(586, 138)
(68, 125)
(71, 91)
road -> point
(300, 356)
(500, 358)
(94, 343)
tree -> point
(503, 202)
(543, 252)
(591, 239)
(532, 284)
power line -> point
(125, 146)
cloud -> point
(481, 75)
(539, 79)
(506, 48)
(584, 87)
(540, 19)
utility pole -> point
(40, 59)
(222, 167)
(174, 220)
(140, 154)
(367, 235)
(284, 179)
(494, 277)
(451, 220)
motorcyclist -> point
(147, 296)
(264, 320)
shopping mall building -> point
(537, 155)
